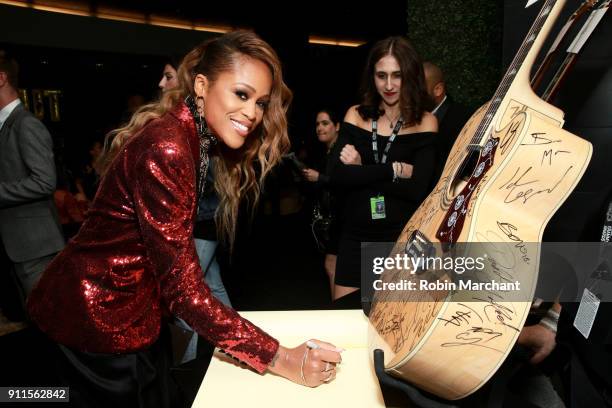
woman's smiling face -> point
(236, 101)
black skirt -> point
(354, 268)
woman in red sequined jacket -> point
(102, 299)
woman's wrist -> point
(396, 171)
(276, 365)
(401, 170)
(283, 364)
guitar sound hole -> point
(464, 172)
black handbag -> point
(321, 228)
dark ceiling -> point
(340, 19)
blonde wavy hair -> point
(239, 173)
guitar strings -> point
(508, 78)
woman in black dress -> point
(387, 156)
(327, 126)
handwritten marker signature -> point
(517, 189)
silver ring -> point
(326, 367)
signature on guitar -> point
(513, 130)
(460, 316)
(539, 139)
(520, 186)
(475, 336)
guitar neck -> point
(554, 48)
(575, 47)
(525, 57)
(556, 80)
(517, 75)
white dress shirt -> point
(440, 104)
(7, 110)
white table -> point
(227, 384)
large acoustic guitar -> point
(510, 169)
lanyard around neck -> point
(396, 129)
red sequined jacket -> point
(135, 253)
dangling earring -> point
(200, 109)
(196, 107)
(200, 104)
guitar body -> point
(498, 198)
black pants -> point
(139, 379)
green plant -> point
(464, 38)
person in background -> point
(451, 115)
(102, 300)
(169, 79)
(327, 127)
(29, 227)
(89, 175)
(71, 212)
(387, 155)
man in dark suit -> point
(450, 114)
(29, 227)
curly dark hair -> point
(414, 100)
